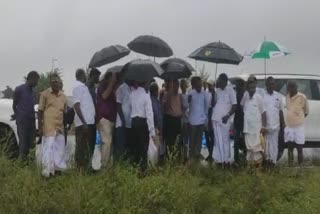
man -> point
(198, 116)
(84, 122)
(24, 114)
(142, 125)
(239, 143)
(157, 115)
(106, 114)
(172, 105)
(225, 105)
(52, 106)
(123, 120)
(297, 110)
(274, 112)
(93, 79)
(254, 122)
(185, 121)
(209, 129)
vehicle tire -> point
(8, 142)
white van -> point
(308, 85)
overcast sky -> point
(34, 32)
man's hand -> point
(189, 98)
(85, 128)
(13, 117)
(225, 119)
(113, 78)
(40, 132)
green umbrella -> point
(267, 50)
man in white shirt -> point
(225, 101)
(84, 121)
(254, 122)
(209, 129)
(198, 116)
(274, 112)
(142, 123)
(123, 121)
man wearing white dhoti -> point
(224, 107)
(274, 112)
(52, 106)
(297, 110)
(254, 122)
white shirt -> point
(141, 106)
(253, 109)
(198, 108)
(225, 99)
(81, 94)
(273, 104)
(122, 96)
(209, 98)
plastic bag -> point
(96, 158)
(152, 153)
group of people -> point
(128, 115)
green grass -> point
(171, 189)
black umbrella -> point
(142, 70)
(217, 52)
(151, 46)
(108, 55)
(115, 69)
(176, 68)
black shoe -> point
(209, 159)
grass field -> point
(170, 189)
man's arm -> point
(108, 91)
(14, 104)
(80, 115)
(42, 103)
(121, 115)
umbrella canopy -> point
(142, 70)
(151, 46)
(217, 52)
(108, 55)
(267, 50)
(176, 68)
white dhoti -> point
(271, 139)
(294, 134)
(53, 151)
(221, 150)
(254, 147)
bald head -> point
(292, 87)
(81, 75)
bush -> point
(170, 189)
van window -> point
(303, 87)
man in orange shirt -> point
(297, 110)
(52, 107)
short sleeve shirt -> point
(297, 108)
(53, 107)
(225, 98)
(253, 109)
(273, 104)
(123, 97)
(81, 95)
